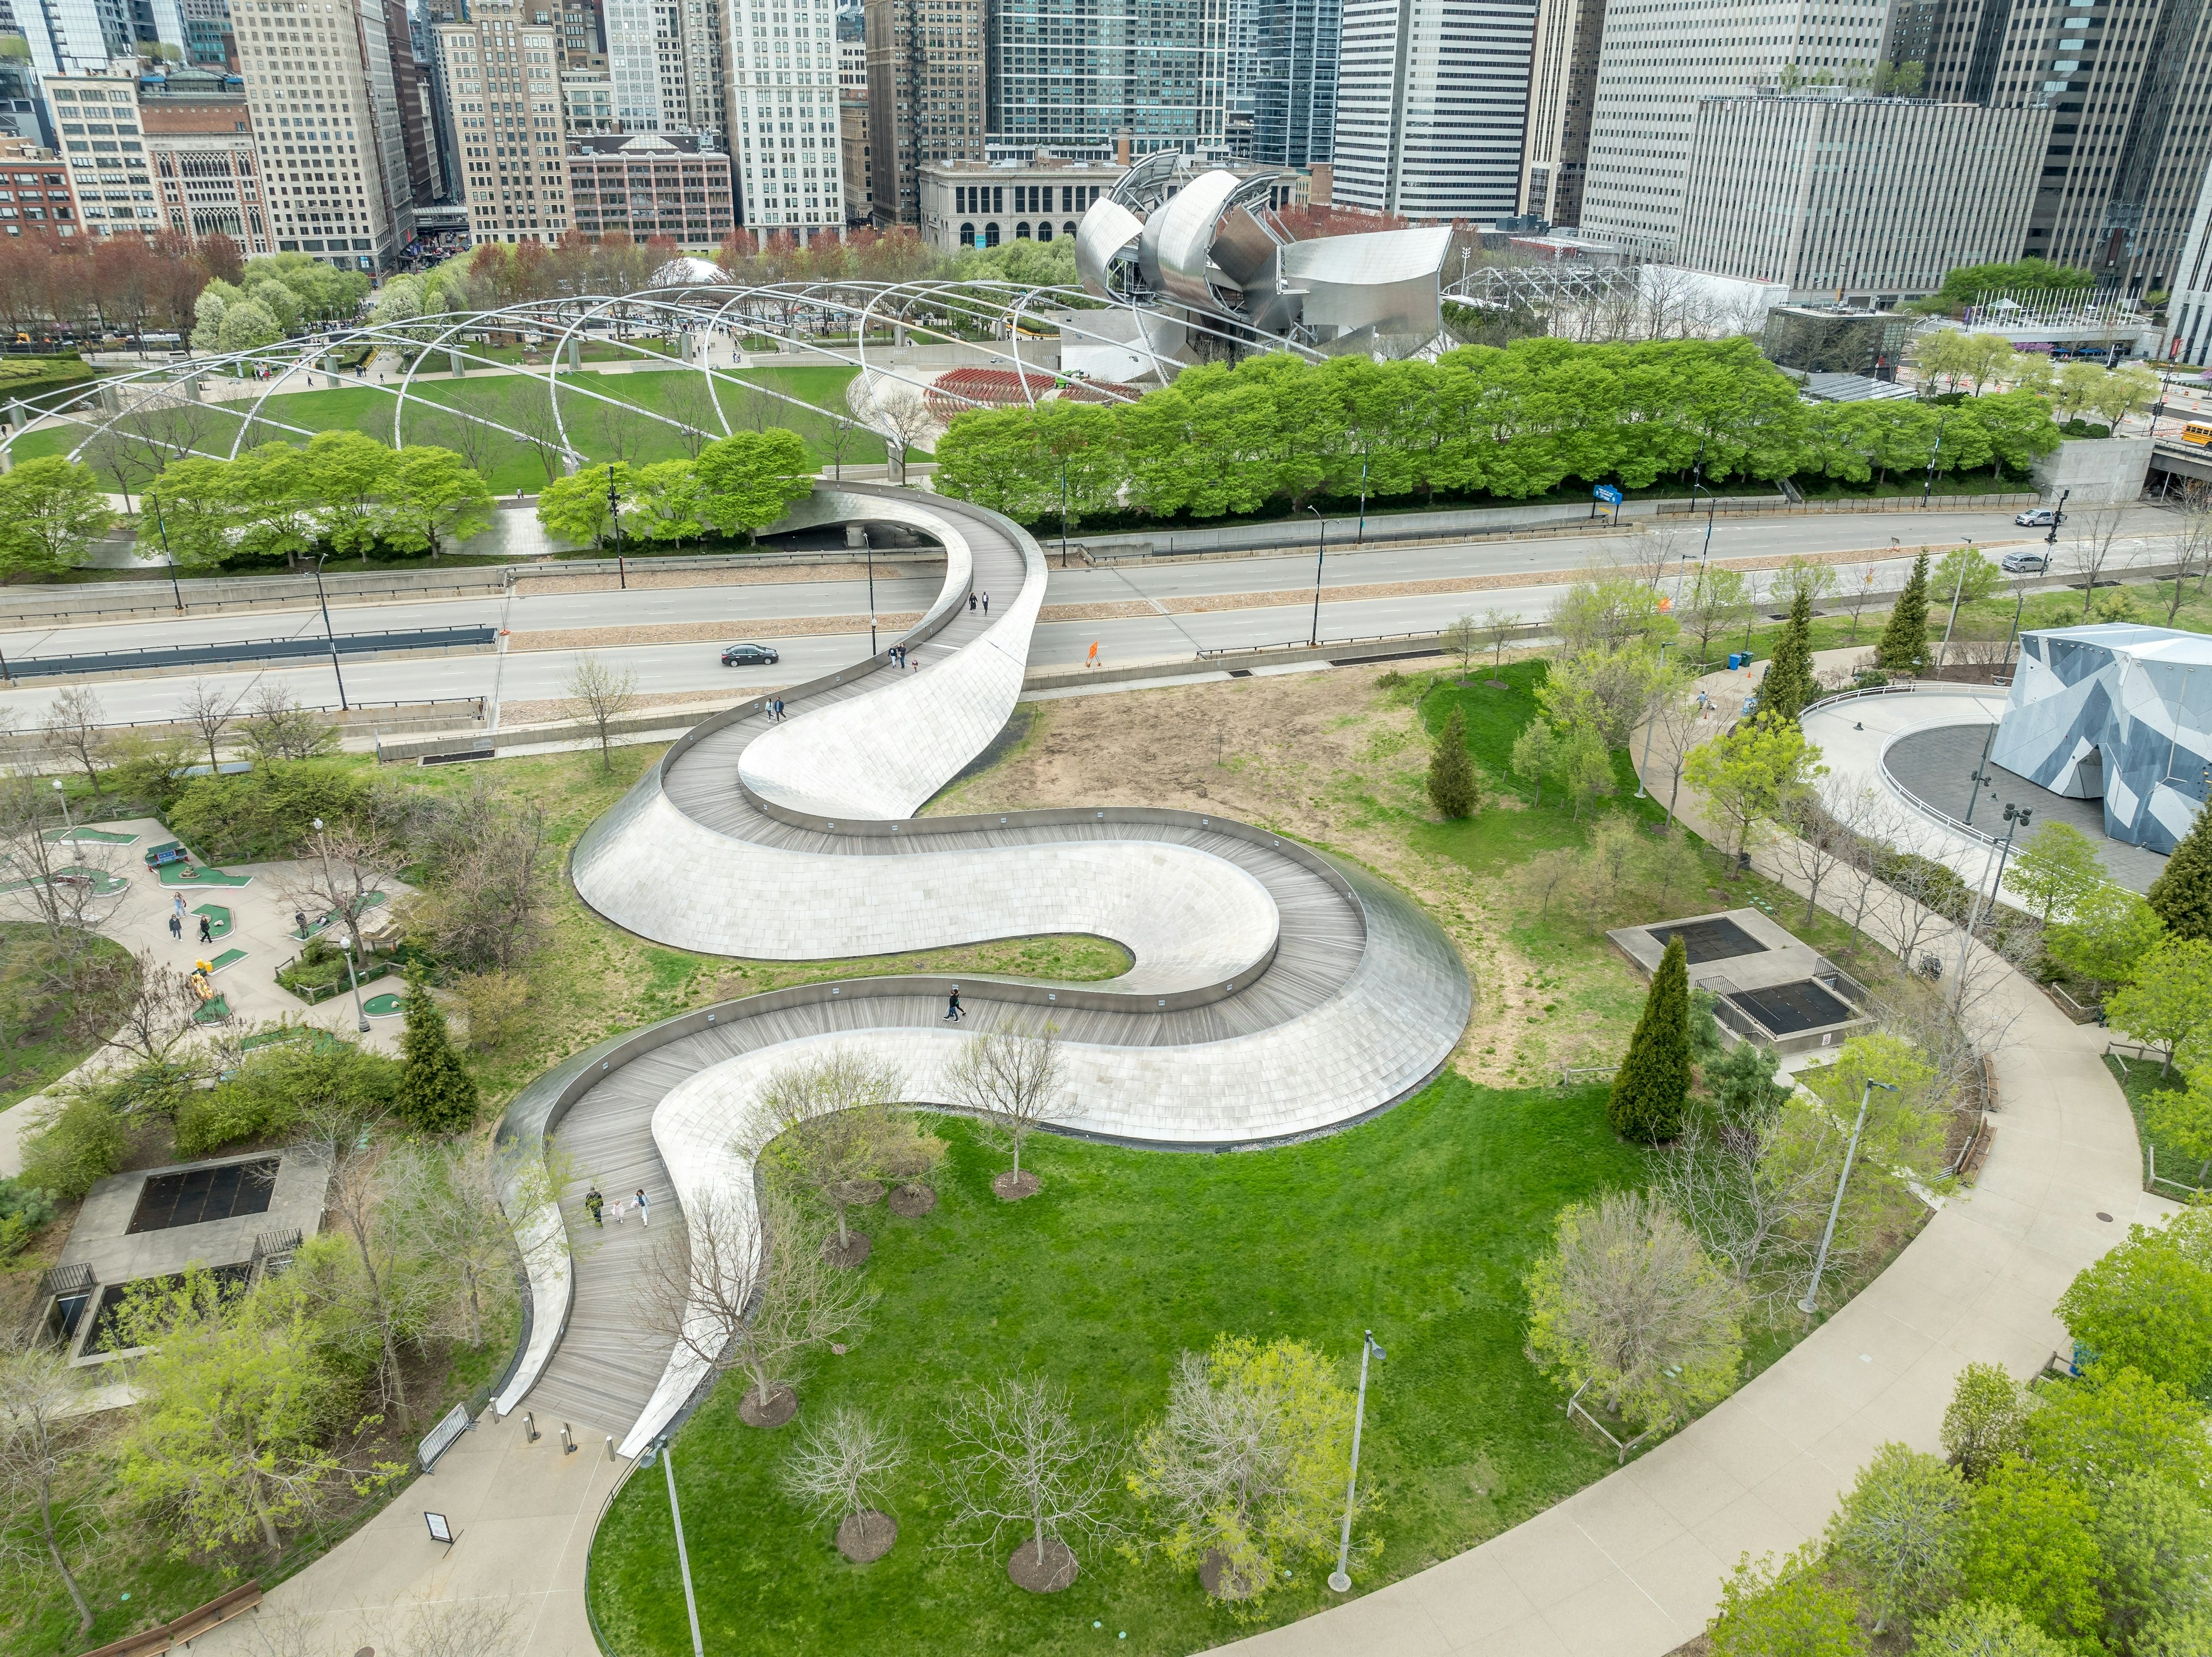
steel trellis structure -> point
(793, 313)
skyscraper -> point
(781, 75)
(326, 121)
(1072, 74)
(2129, 83)
(503, 66)
(925, 97)
(410, 98)
(1292, 79)
(1431, 98)
(1655, 65)
(667, 60)
(1562, 80)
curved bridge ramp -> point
(1275, 993)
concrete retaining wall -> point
(2095, 471)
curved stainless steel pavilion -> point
(1275, 994)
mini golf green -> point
(98, 837)
(218, 918)
(381, 1007)
(323, 925)
(185, 874)
(229, 957)
(212, 1012)
(103, 884)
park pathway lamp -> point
(1339, 1580)
(1321, 551)
(69, 829)
(682, 1554)
(353, 935)
(1811, 1303)
(323, 599)
(2016, 819)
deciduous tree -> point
(1019, 1461)
(2168, 1000)
(823, 1121)
(1785, 1609)
(751, 479)
(600, 693)
(44, 1467)
(2055, 870)
(1985, 1419)
(1749, 776)
(841, 1467)
(1900, 1530)
(1015, 1080)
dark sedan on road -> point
(748, 655)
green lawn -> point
(2139, 1078)
(510, 464)
(1419, 1224)
(36, 1017)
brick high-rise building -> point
(206, 167)
(502, 65)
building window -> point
(991, 234)
(968, 235)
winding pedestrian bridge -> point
(1275, 991)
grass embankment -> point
(1419, 1225)
(38, 1024)
(510, 464)
(2139, 1078)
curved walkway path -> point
(1273, 992)
(1632, 1565)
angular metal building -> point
(1205, 245)
(2114, 712)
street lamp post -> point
(323, 599)
(155, 501)
(1811, 1303)
(614, 512)
(871, 592)
(68, 831)
(2016, 817)
(1929, 485)
(1321, 551)
(2057, 516)
(353, 934)
(1360, 539)
(1339, 1580)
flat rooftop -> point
(1772, 985)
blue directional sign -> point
(1607, 493)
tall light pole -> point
(2015, 818)
(1339, 1580)
(2057, 516)
(682, 1554)
(1321, 551)
(323, 599)
(353, 932)
(155, 501)
(1935, 455)
(1811, 1303)
(69, 830)
(614, 513)
(871, 591)
(1360, 539)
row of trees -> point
(1976, 359)
(2069, 1517)
(736, 486)
(1511, 422)
(274, 296)
(120, 284)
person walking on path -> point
(207, 931)
(177, 928)
(643, 1217)
(952, 1013)
(971, 604)
(986, 604)
(178, 904)
(593, 1204)
(299, 920)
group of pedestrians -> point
(987, 603)
(177, 923)
(595, 1205)
(775, 710)
(898, 653)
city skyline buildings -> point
(1431, 99)
(1075, 75)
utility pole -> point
(1811, 1304)
(1339, 1580)
(1321, 551)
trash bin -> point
(1736, 659)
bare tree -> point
(1497, 627)
(485, 852)
(73, 734)
(621, 429)
(840, 1468)
(1462, 639)
(2094, 537)
(601, 695)
(1015, 1082)
(840, 442)
(823, 1122)
(339, 1126)
(445, 1200)
(1812, 847)
(1806, 575)
(759, 408)
(481, 445)
(735, 1290)
(2192, 546)
(902, 414)
(210, 712)
(348, 870)
(687, 399)
(43, 1428)
(277, 727)
(1019, 1461)
(156, 1014)
(527, 407)
(1857, 586)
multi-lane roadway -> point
(1142, 613)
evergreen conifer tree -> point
(436, 1092)
(2182, 896)
(1788, 685)
(1904, 645)
(1653, 1083)
(1452, 788)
